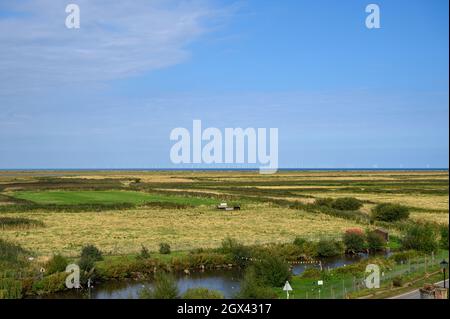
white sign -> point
(287, 287)
(320, 282)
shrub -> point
(389, 212)
(86, 263)
(444, 237)
(299, 241)
(421, 237)
(329, 248)
(89, 255)
(272, 270)
(202, 293)
(252, 288)
(398, 281)
(347, 203)
(238, 251)
(328, 202)
(164, 248)
(144, 254)
(311, 273)
(375, 242)
(354, 240)
(91, 252)
(57, 263)
(165, 287)
(306, 247)
(19, 222)
(404, 256)
(50, 284)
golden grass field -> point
(118, 232)
(124, 231)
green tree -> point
(421, 237)
(272, 270)
(253, 288)
(354, 240)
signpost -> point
(287, 287)
(319, 283)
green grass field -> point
(105, 197)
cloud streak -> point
(117, 39)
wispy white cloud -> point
(116, 39)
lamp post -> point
(444, 265)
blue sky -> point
(108, 95)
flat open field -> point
(80, 207)
(104, 197)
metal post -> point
(444, 279)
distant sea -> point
(222, 169)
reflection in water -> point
(335, 262)
(225, 281)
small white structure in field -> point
(222, 206)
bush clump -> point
(398, 281)
(421, 237)
(144, 253)
(89, 255)
(347, 203)
(390, 212)
(354, 240)
(253, 288)
(328, 202)
(272, 271)
(91, 252)
(312, 273)
(164, 248)
(329, 248)
(57, 263)
(404, 256)
(444, 237)
(165, 287)
(238, 252)
(202, 293)
(375, 242)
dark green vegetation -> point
(57, 263)
(19, 222)
(390, 212)
(422, 237)
(202, 293)
(164, 248)
(330, 248)
(354, 240)
(165, 287)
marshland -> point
(299, 216)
